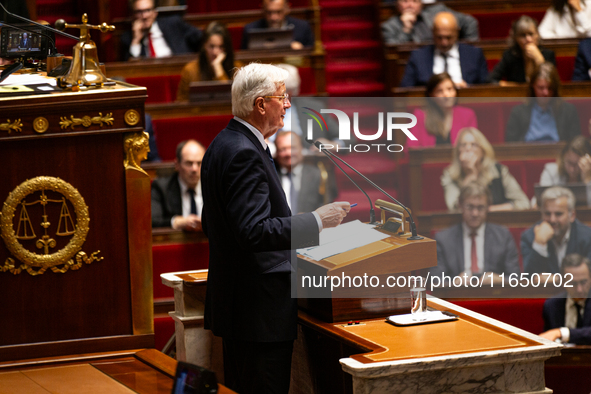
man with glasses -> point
(475, 246)
(567, 317)
(251, 234)
(544, 245)
(276, 17)
(157, 36)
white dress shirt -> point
(560, 247)
(453, 63)
(158, 42)
(570, 318)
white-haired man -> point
(251, 231)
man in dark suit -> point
(276, 17)
(475, 246)
(154, 36)
(568, 316)
(544, 245)
(583, 61)
(251, 231)
(177, 200)
(25, 42)
(305, 186)
(466, 64)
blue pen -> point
(353, 205)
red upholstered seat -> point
(496, 25)
(161, 88)
(432, 191)
(565, 66)
(163, 330)
(169, 132)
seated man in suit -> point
(276, 17)
(567, 317)
(415, 22)
(583, 61)
(177, 200)
(544, 245)
(303, 183)
(154, 36)
(466, 64)
(475, 246)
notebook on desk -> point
(210, 91)
(270, 38)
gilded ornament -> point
(86, 121)
(136, 147)
(40, 125)
(132, 117)
(33, 263)
(11, 126)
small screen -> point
(23, 42)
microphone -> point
(413, 226)
(37, 24)
(372, 213)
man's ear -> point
(259, 105)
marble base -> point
(517, 370)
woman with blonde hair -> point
(473, 160)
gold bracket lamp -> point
(85, 69)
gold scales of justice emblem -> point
(45, 196)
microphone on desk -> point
(372, 213)
(328, 153)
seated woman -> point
(442, 119)
(215, 61)
(524, 54)
(474, 160)
(572, 166)
(544, 117)
(567, 19)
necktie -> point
(579, 317)
(444, 55)
(193, 203)
(151, 46)
(473, 255)
(269, 154)
(293, 195)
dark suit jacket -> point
(566, 117)
(420, 66)
(302, 32)
(500, 251)
(512, 68)
(554, 313)
(250, 231)
(579, 242)
(583, 61)
(180, 37)
(166, 200)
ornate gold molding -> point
(40, 125)
(132, 117)
(86, 121)
(10, 126)
(34, 263)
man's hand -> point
(187, 223)
(575, 4)
(296, 45)
(552, 334)
(543, 233)
(462, 84)
(138, 31)
(333, 214)
(408, 20)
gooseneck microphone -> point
(413, 227)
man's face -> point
(275, 111)
(189, 168)
(474, 211)
(410, 6)
(581, 281)
(144, 11)
(289, 151)
(275, 12)
(445, 37)
(556, 213)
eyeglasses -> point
(143, 12)
(284, 98)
